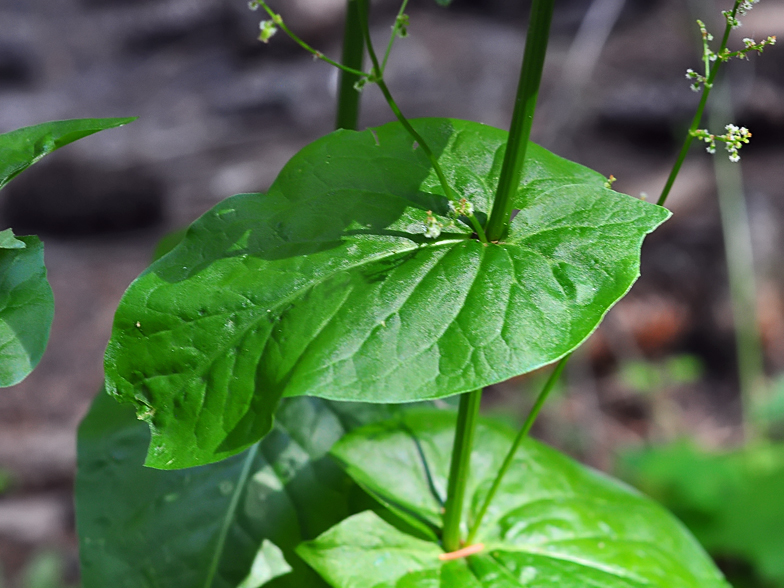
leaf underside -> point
(326, 286)
(145, 528)
(553, 523)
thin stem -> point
(353, 57)
(459, 469)
(377, 77)
(393, 37)
(529, 421)
(522, 119)
(710, 74)
(230, 513)
(740, 272)
(278, 20)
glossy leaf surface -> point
(554, 523)
(145, 528)
(26, 306)
(326, 286)
(23, 147)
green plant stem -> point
(529, 421)
(393, 37)
(695, 123)
(740, 272)
(353, 57)
(378, 78)
(233, 504)
(459, 468)
(522, 119)
(276, 18)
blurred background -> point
(679, 391)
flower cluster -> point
(702, 81)
(697, 80)
(432, 226)
(268, 27)
(743, 7)
(733, 140)
(400, 28)
(748, 46)
(460, 208)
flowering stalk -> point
(432, 228)
(270, 27)
(735, 137)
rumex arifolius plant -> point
(26, 300)
(410, 262)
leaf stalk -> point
(529, 421)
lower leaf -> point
(553, 523)
(230, 524)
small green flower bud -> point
(268, 29)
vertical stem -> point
(529, 422)
(740, 271)
(695, 123)
(460, 468)
(522, 119)
(353, 57)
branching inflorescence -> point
(735, 137)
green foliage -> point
(26, 301)
(553, 523)
(23, 147)
(26, 306)
(216, 526)
(647, 376)
(326, 286)
(732, 502)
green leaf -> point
(326, 286)
(26, 307)
(9, 241)
(26, 301)
(145, 528)
(23, 147)
(270, 563)
(732, 501)
(444, 2)
(553, 522)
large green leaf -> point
(23, 147)
(554, 523)
(26, 306)
(733, 502)
(326, 286)
(229, 524)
